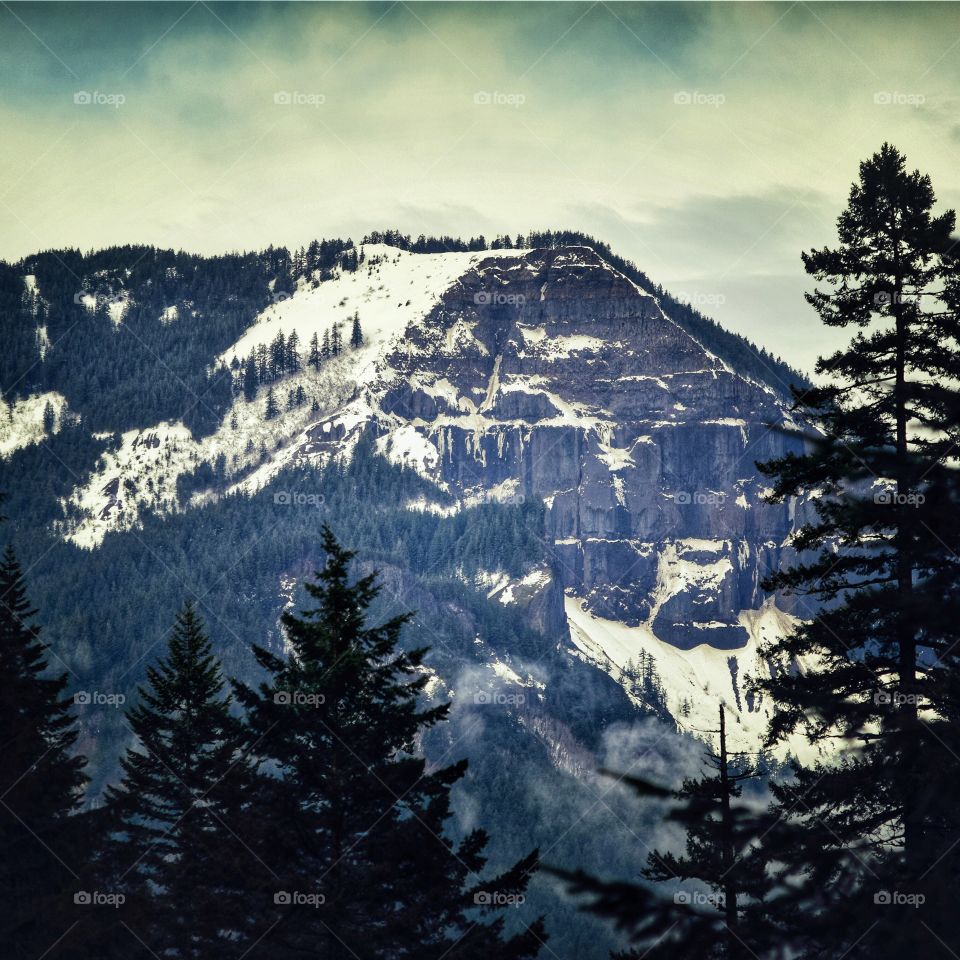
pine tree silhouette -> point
(173, 848)
(41, 854)
(723, 853)
(350, 823)
(271, 410)
(878, 562)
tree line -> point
(287, 818)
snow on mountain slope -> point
(693, 682)
(390, 289)
(141, 473)
(21, 423)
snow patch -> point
(21, 423)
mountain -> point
(548, 458)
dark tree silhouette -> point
(349, 822)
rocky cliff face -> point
(553, 376)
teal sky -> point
(708, 142)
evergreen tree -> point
(278, 357)
(49, 418)
(293, 353)
(250, 379)
(356, 334)
(41, 857)
(314, 356)
(172, 846)
(722, 854)
(336, 341)
(263, 363)
(348, 820)
(271, 410)
(325, 353)
(879, 561)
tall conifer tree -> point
(351, 825)
(173, 849)
(41, 783)
(879, 561)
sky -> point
(708, 142)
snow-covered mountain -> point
(505, 375)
